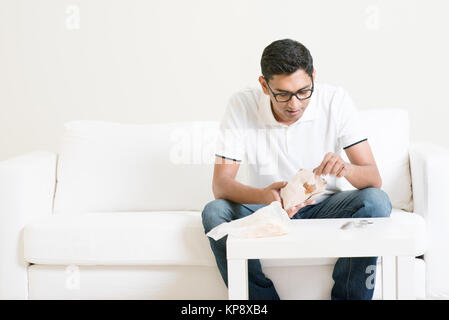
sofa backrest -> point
(109, 166)
(388, 136)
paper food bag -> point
(268, 221)
(304, 186)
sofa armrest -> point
(27, 187)
(429, 165)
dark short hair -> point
(285, 57)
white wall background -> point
(166, 60)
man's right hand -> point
(272, 192)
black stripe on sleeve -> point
(355, 143)
(228, 158)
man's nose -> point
(295, 102)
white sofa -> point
(115, 213)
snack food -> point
(304, 186)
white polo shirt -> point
(274, 152)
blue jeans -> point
(349, 274)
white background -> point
(161, 61)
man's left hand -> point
(334, 165)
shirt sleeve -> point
(230, 139)
(350, 130)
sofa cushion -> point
(129, 238)
(118, 238)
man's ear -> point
(263, 84)
(313, 75)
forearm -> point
(364, 176)
(231, 189)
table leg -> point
(389, 278)
(406, 277)
(238, 279)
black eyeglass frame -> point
(291, 93)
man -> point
(289, 123)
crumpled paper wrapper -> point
(268, 221)
(304, 186)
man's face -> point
(288, 112)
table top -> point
(401, 234)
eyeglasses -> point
(283, 97)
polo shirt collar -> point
(269, 119)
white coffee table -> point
(397, 240)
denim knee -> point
(377, 201)
(214, 213)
